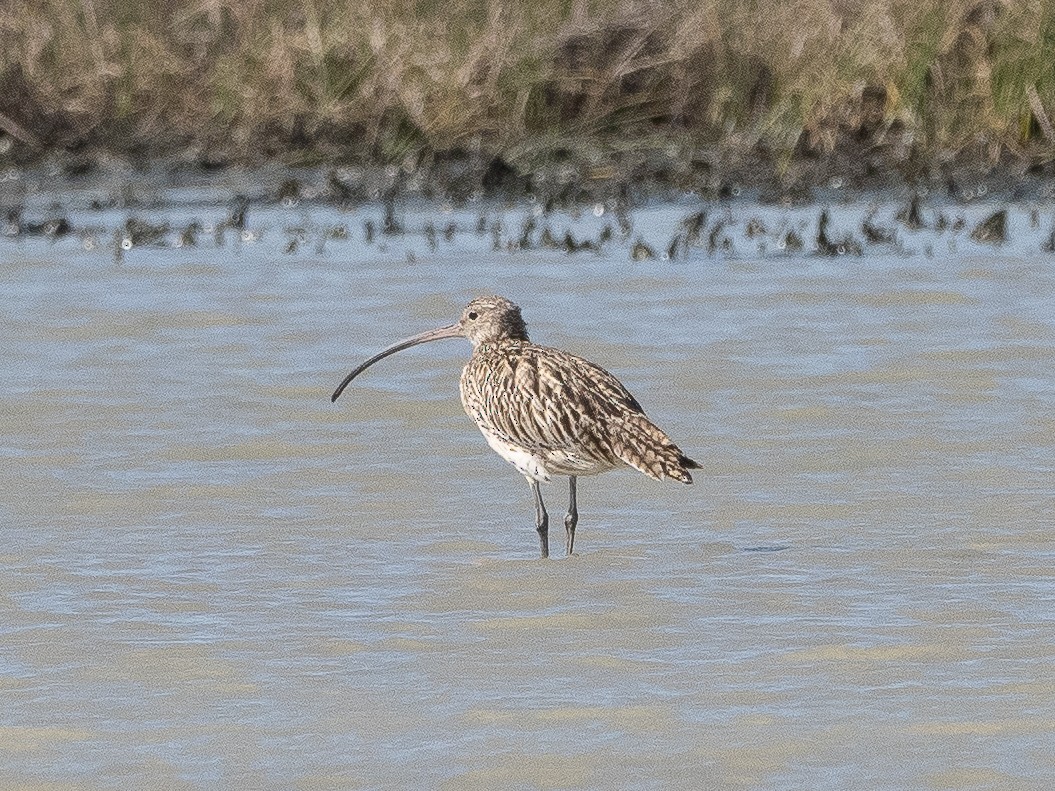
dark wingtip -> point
(681, 472)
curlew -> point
(545, 411)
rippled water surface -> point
(212, 577)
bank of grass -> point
(335, 79)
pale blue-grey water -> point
(212, 577)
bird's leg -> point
(572, 518)
(541, 519)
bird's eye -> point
(473, 315)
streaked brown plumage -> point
(546, 411)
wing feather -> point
(544, 399)
(570, 413)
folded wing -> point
(563, 407)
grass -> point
(342, 80)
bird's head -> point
(492, 319)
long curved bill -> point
(453, 331)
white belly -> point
(543, 466)
(527, 463)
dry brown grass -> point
(333, 78)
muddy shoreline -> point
(846, 203)
(560, 175)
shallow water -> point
(214, 577)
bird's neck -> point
(500, 344)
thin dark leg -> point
(572, 518)
(541, 519)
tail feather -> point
(641, 444)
